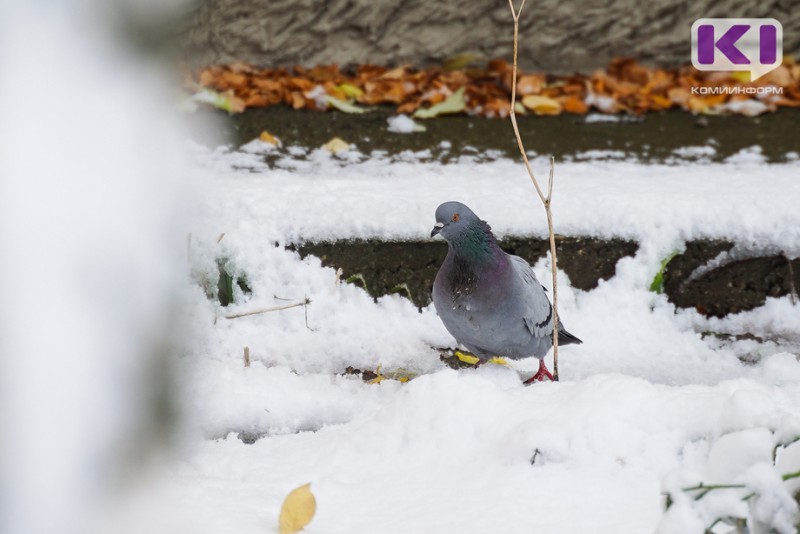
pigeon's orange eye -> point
(455, 217)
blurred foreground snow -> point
(90, 189)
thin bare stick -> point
(546, 200)
(247, 356)
(553, 267)
(267, 310)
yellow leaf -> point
(401, 375)
(267, 137)
(454, 103)
(297, 510)
(336, 145)
(394, 74)
(742, 76)
(379, 377)
(341, 105)
(350, 90)
(541, 105)
(459, 62)
(466, 358)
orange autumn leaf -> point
(573, 104)
(660, 102)
(696, 104)
(531, 84)
(298, 101)
(678, 95)
(625, 86)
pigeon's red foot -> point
(540, 375)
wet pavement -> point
(654, 137)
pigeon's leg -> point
(540, 375)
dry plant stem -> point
(545, 199)
(267, 310)
(247, 356)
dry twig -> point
(545, 199)
(304, 302)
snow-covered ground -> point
(93, 209)
(646, 405)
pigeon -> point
(491, 301)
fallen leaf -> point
(628, 70)
(697, 105)
(336, 145)
(460, 61)
(334, 91)
(624, 86)
(574, 104)
(297, 510)
(394, 74)
(345, 106)
(499, 65)
(401, 375)
(541, 105)
(231, 79)
(497, 107)
(678, 95)
(298, 101)
(467, 358)
(226, 101)
(781, 77)
(350, 91)
(660, 102)
(454, 103)
(529, 84)
(267, 137)
(742, 76)
(408, 107)
(324, 73)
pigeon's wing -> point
(537, 313)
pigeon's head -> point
(452, 220)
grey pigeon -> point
(491, 301)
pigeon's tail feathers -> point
(565, 338)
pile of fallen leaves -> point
(626, 86)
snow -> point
(601, 117)
(403, 124)
(646, 405)
(695, 151)
(658, 205)
(749, 108)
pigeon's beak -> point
(436, 229)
